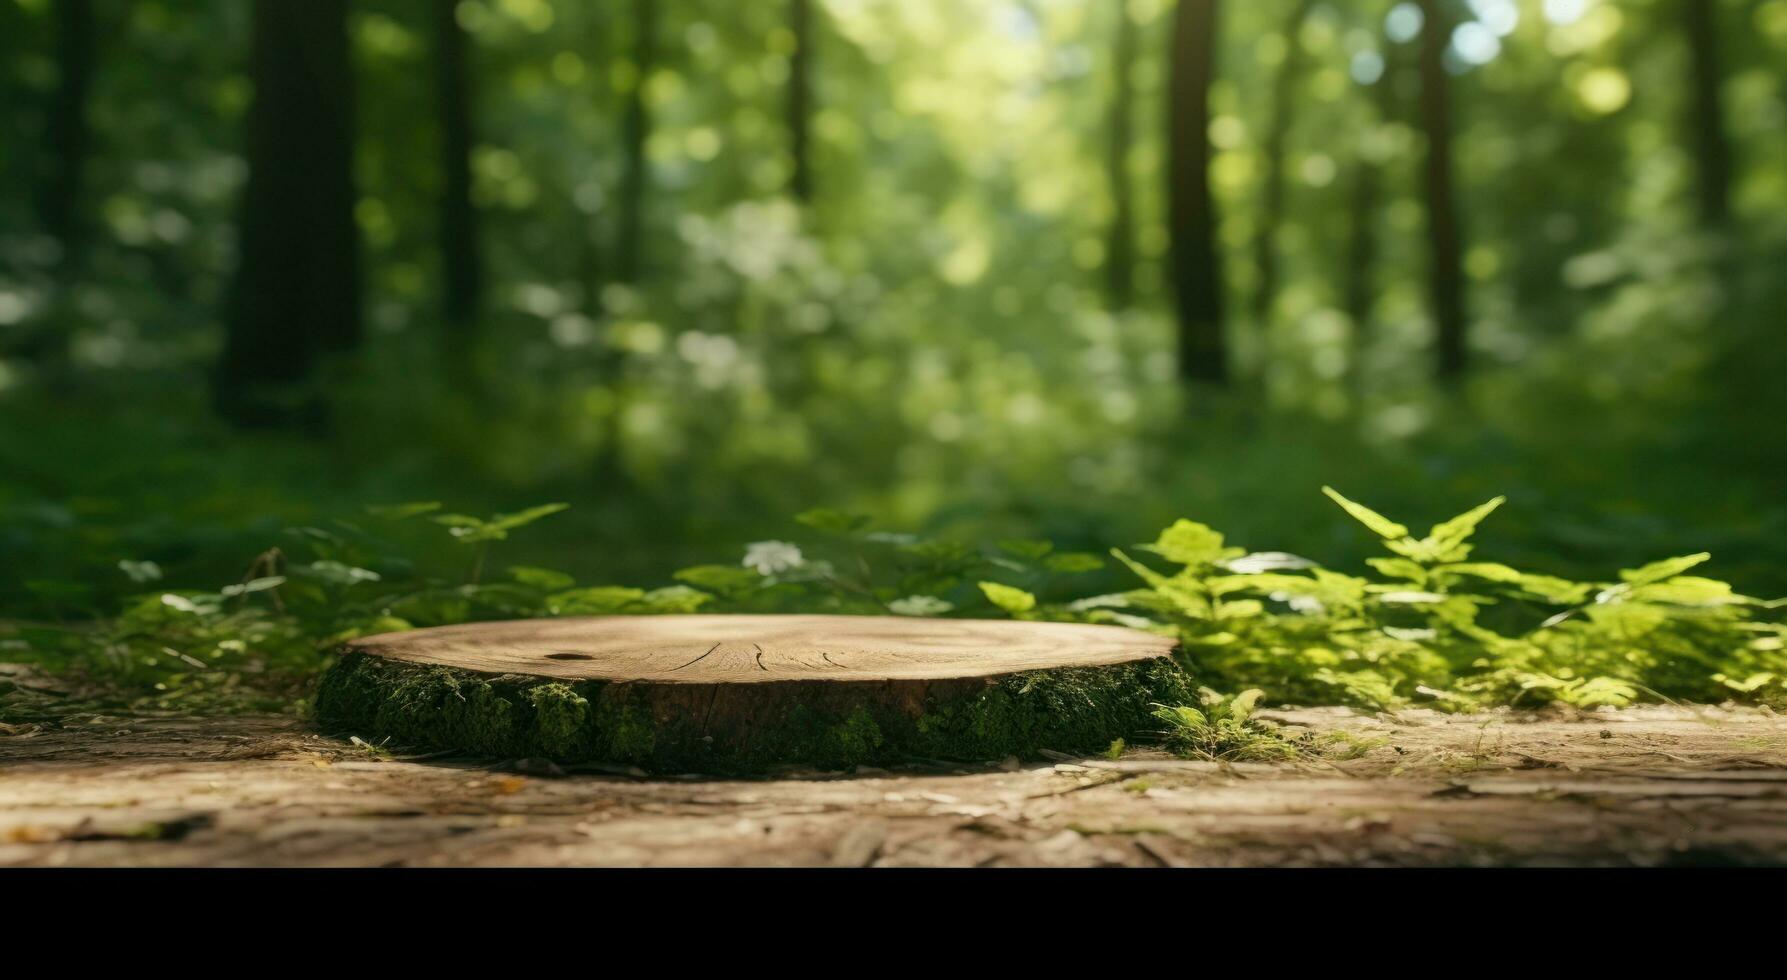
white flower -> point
(770, 557)
(920, 605)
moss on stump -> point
(728, 726)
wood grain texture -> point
(743, 649)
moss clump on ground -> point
(741, 728)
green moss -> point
(561, 719)
(623, 731)
(677, 729)
(852, 741)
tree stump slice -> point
(738, 693)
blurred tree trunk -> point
(296, 294)
(1120, 254)
(1195, 262)
(1446, 271)
(1706, 118)
(464, 281)
(1359, 288)
(800, 99)
(1265, 243)
(66, 133)
(635, 129)
(1359, 282)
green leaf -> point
(1401, 568)
(830, 521)
(335, 573)
(475, 530)
(1410, 597)
(140, 571)
(1380, 525)
(593, 601)
(1453, 532)
(1689, 590)
(1012, 600)
(542, 578)
(1557, 590)
(1489, 571)
(509, 522)
(1240, 609)
(252, 585)
(1073, 562)
(724, 579)
(1147, 574)
(1241, 708)
(1191, 543)
(1748, 684)
(458, 520)
(1657, 571)
(398, 512)
(1029, 550)
(1601, 691)
(675, 599)
(941, 554)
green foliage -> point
(477, 530)
(1426, 628)
(1437, 629)
(1220, 728)
(1011, 600)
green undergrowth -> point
(1429, 622)
(1220, 728)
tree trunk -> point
(460, 267)
(1265, 243)
(800, 100)
(1359, 289)
(635, 129)
(738, 693)
(66, 132)
(1706, 118)
(1359, 282)
(56, 193)
(1446, 270)
(1196, 264)
(296, 294)
(1120, 255)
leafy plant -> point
(1221, 728)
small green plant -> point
(1221, 729)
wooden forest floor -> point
(1648, 786)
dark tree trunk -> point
(1359, 281)
(1265, 243)
(66, 133)
(1120, 255)
(800, 99)
(635, 129)
(296, 294)
(1196, 264)
(1359, 287)
(1446, 272)
(460, 267)
(1706, 119)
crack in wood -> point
(700, 658)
